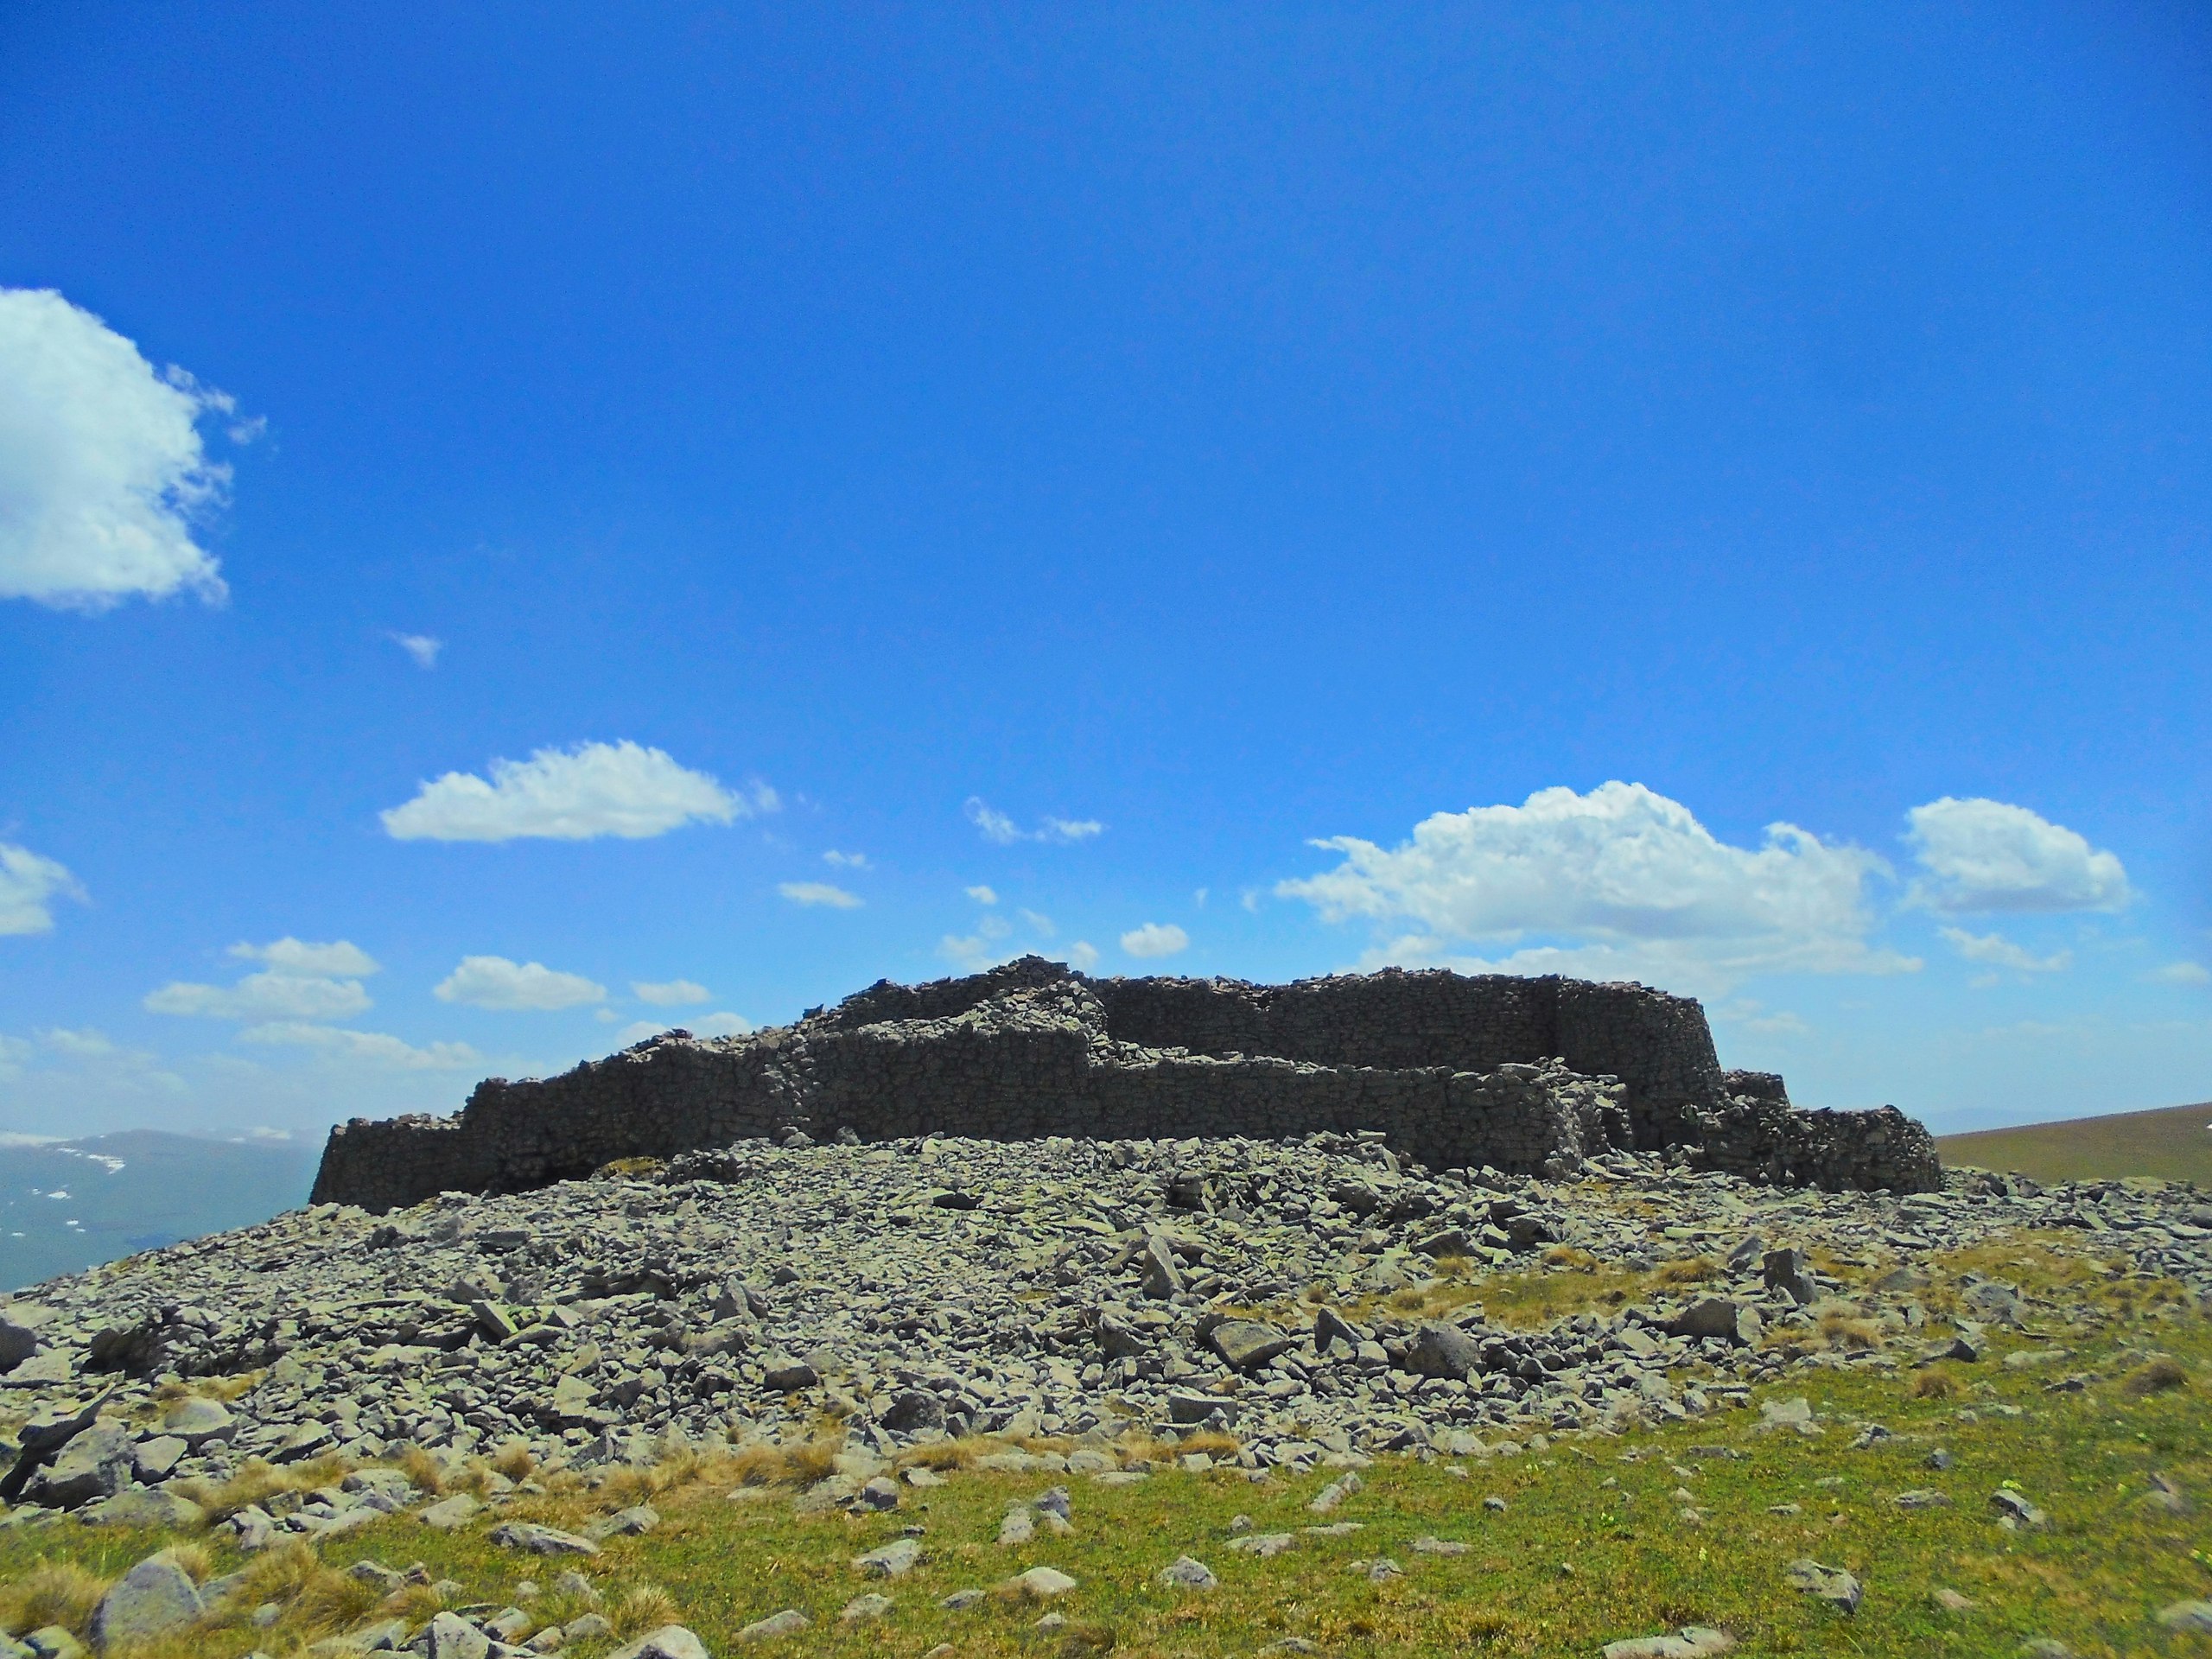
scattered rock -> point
(675, 1641)
(1694, 1642)
(790, 1622)
(535, 1539)
(1186, 1573)
(1830, 1584)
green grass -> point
(2094, 1580)
(2173, 1144)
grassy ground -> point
(1593, 1544)
(2173, 1144)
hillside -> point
(2173, 1144)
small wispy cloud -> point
(983, 895)
(1998, 951)
(1155, 939)
(2180, 973)
(671, 993)
(1001, 830)
(837, 860)
(818, 892)
(421, 647)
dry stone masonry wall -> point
(1523, 1076)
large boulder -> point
(94, 1465)
(151, 1600)
(1439, 1349)
(1247, 1344)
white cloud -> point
(998, 828)
(267, 995)
(983, 895)
(1988, 855)
(421, 647)
(579, 794)
(818, 892)
(975, 951)
(707, 1025)
(515, 987)
(670, 993)
(373, 1048)
(29, 884)
(1626, 881)
(2181, 973)
(339, 959)
(1155, 940)
(86, 1043)
(102, 470)
(1037, 924)
(837, 860)
(1199, 897)
(1083, 956)
(2000, 952)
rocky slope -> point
(1285, 1291)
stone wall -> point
(1524, 1075)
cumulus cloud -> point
(983, 895)
(837, 860)
(339, 959)
(818, 892)
(2000, 952)
(371, 1048)
(1153, 939)
(670, 993)
(2180, 973)
(593, 790)
(1083, 956)
(102, 469)
(264, 996)
(973, 951)
(998, 828)
(515, 987)
(421, 647)
(1620, 882)
(1037, 922)
(303, 981)
(29, 884)
(1989, 856)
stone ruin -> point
(1523, 1076)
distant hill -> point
(2174, 1143)
(67, 1204)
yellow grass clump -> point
(52, 1593)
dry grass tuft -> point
(644, 1607)
(52, 1593)
(2157, 1375)
(255, 1482)
(799, 1463)
(947, 1455)
(428, 1473)
(629, 1169)
(1689, 1270)
(1087, 1641)
(515, 1460)
(1935, 1385)
(1846, 1329)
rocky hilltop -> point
(1524, 1076)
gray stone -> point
(2196, 1616)
(1439, 1349)
(1830, 1584)
(1247, 1344)
(1042, 1583)
(1786, 1271)
(156, 1459)
(893, 1560)
(152, 1599)
(624, 1524)
(94, 1465)
(675, 1641)
(448, 1513)
(863, 1608)
(789, 1375)
(535, 1539)
(1720, 1316)
(144, 1506)
(1186, 1573)
(790, 1622)
(451, 1636)
(1694, 1642)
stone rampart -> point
(1524, 1075)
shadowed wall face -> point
(1526, 1075)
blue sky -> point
(502, 510)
